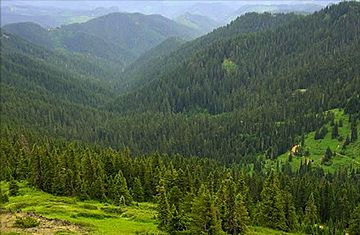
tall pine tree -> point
(271, 205)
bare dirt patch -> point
(46, 225)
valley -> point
(133, 123)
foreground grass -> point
(343, 157)
(92, 217)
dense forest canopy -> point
(196, 127)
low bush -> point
(26, 222)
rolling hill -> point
(158, 67)
(218, 77)
(250, 87)
(117, 37)
(250, 129)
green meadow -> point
(342, 157)
(84, 217)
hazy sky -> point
(170, 9)
(140, 5)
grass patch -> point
(93, 216)
(112, 210)
(89, 207)
(341, 157)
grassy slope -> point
(343, 158)
(98, 218)
(94, 217)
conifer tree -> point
(233, 213)
(354, 228)
(119, 190)
(290, 211)
(204, 214)
(175, 197)
(137, 190)
(327, 157)
(13, 188)
(271, 205)
(354, 134)
(347, 142)
(177, 222)
(164, 213)
(335, 131)
(311, 214)
(241, 217)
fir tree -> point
(271, 205)
(175, 197)
(164, 213)
(335, 131)
(354, 227)
(290, 211)
(327, 157)
(137, 190)
(347, 142)
(177, 222)
(204, 214)
(13, 188)
(241, 216)
(311, 213)
(233, 212)
(354, 133)
(119, 190)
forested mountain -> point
(49, 17)
(193, 195)
(249, 125)
(159, 67)
(132, 78)
(226, 75)
(60, 88)
(251, 87)
(117, 37)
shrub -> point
(112, 210)
(13, 188)
(89, 207)
(26, 222)
(4, 198)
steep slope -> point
(159, 67)
(118, 37)
(131, 77)
(31, 32)
(225, 75)
(230, 95)
(46, 91)
(135, 32)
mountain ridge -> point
(117, 37)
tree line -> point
(194, 195)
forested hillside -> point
(193, 195)
(230, 73)
(132, 77)
(229, 95)
(250, 129)
(117, 37)
(161, 67)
